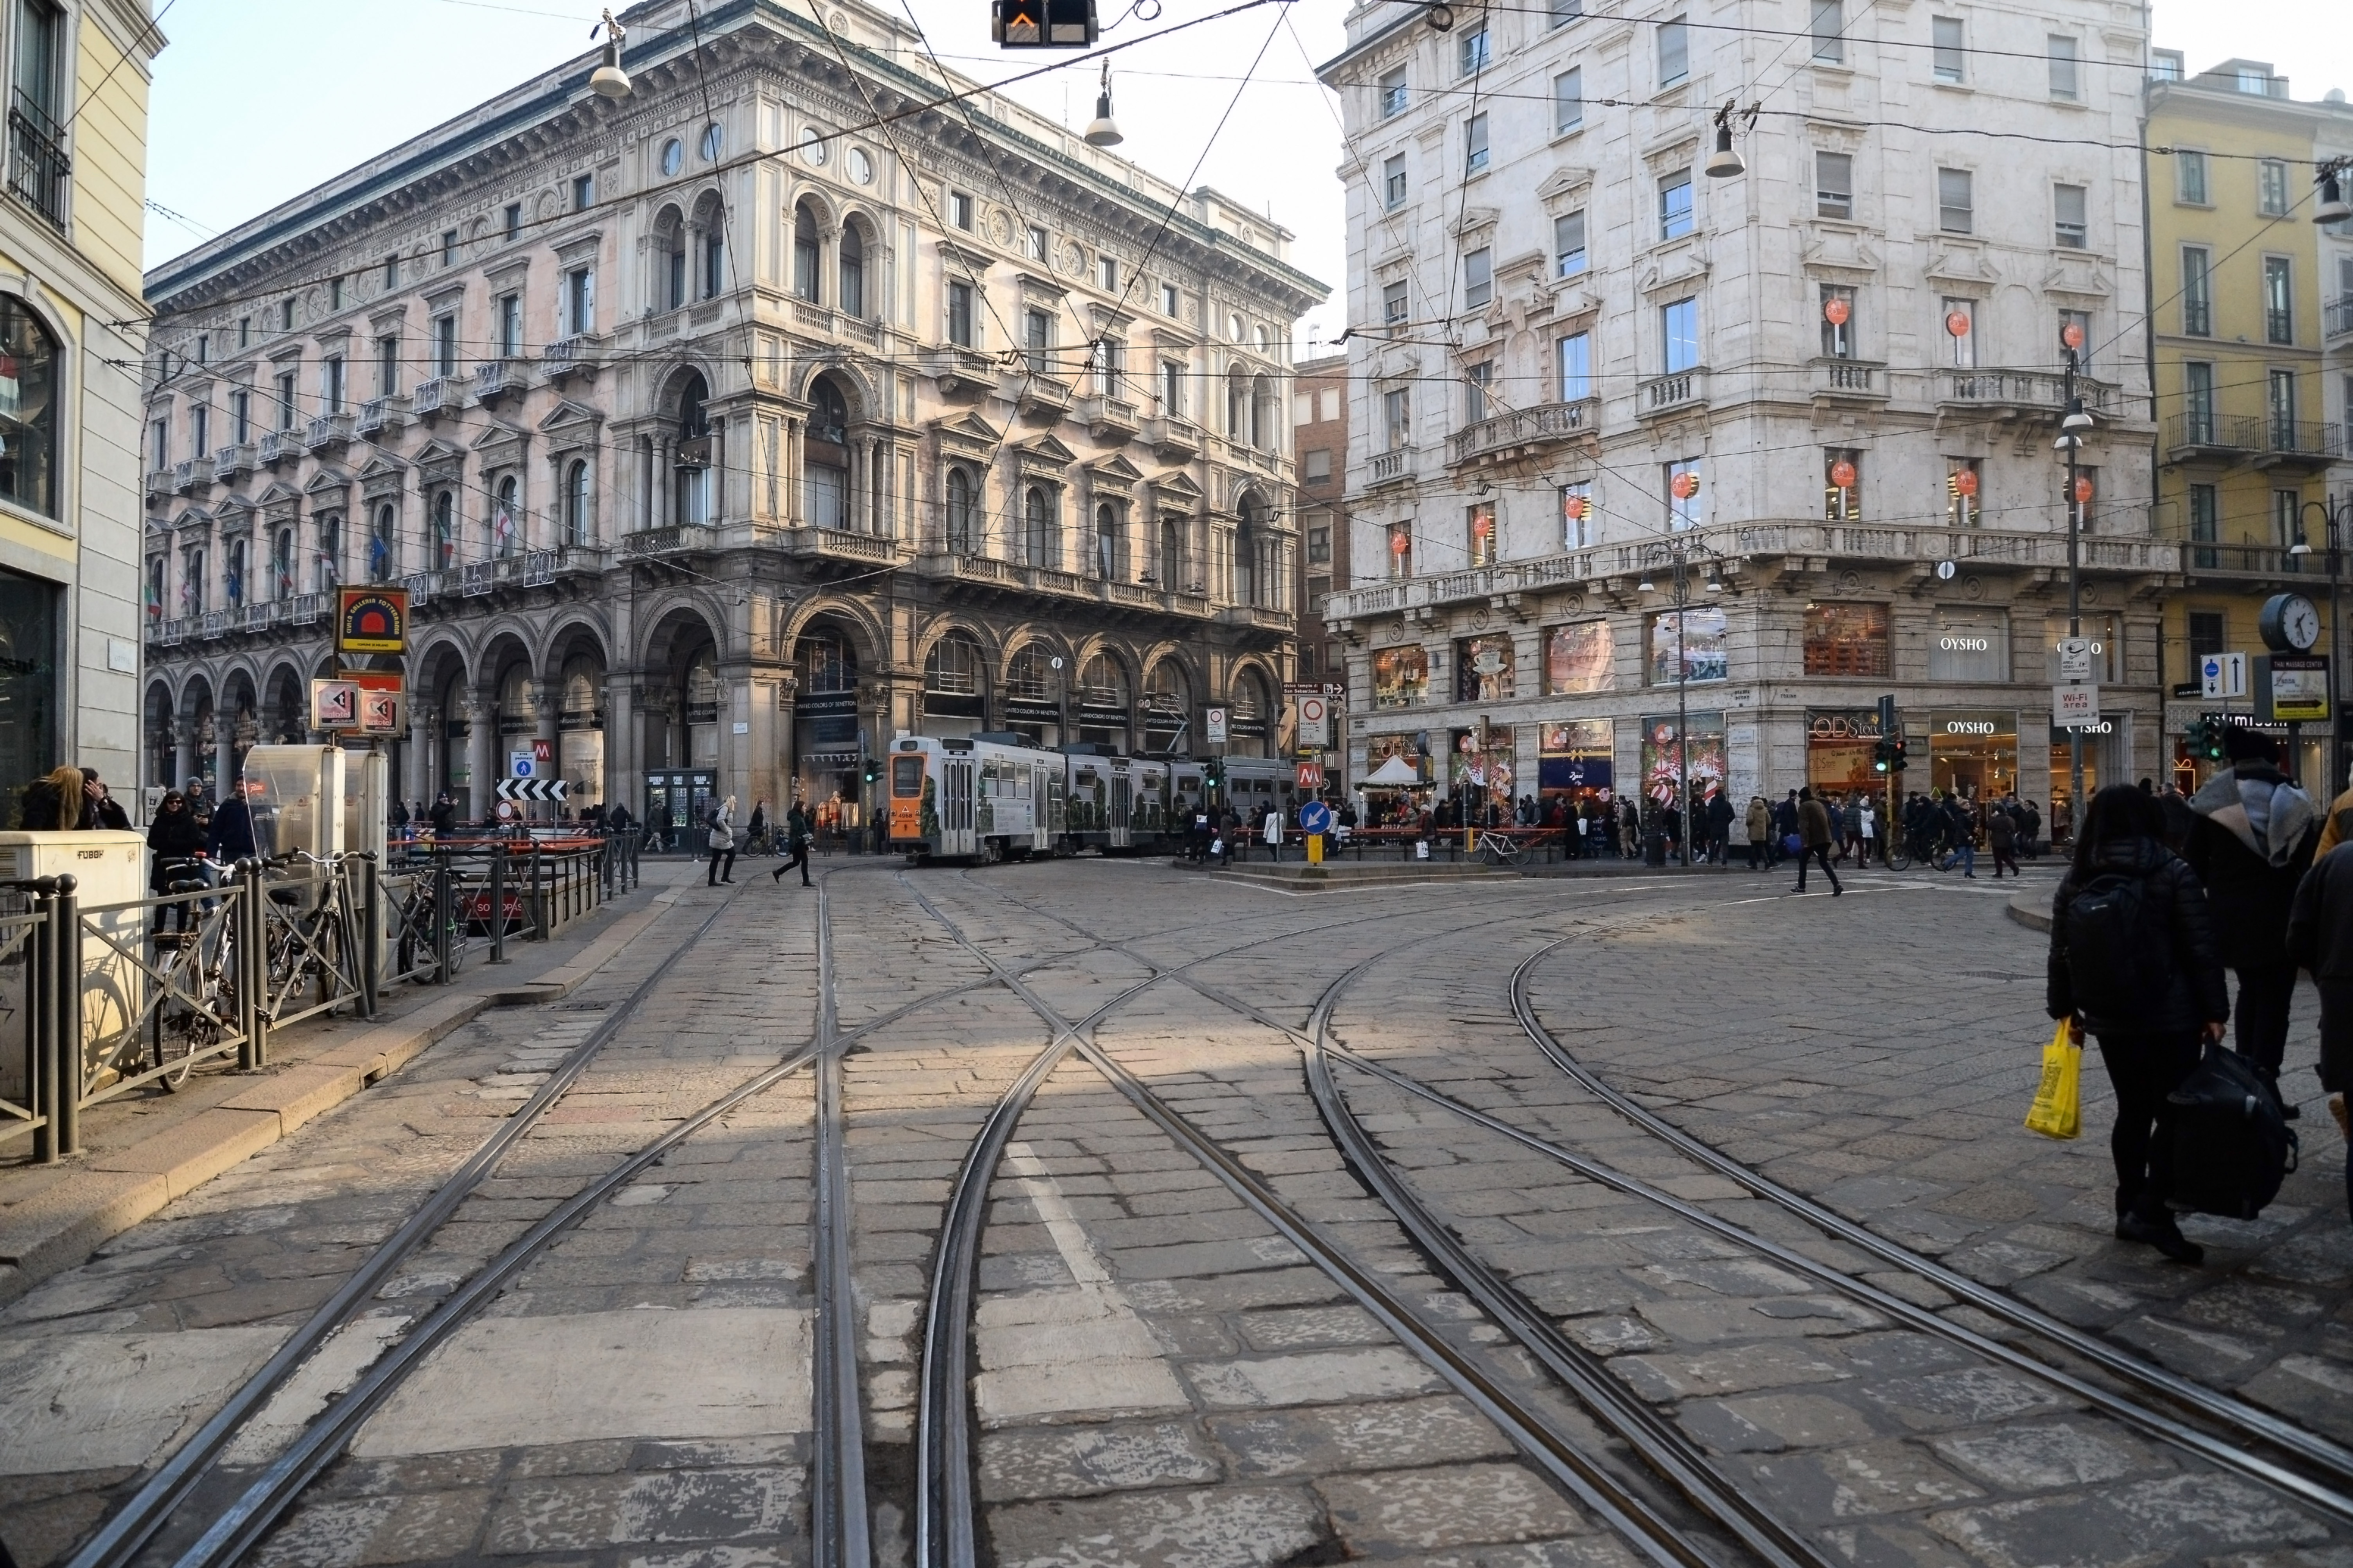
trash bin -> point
(1654, 847)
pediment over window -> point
(1565, 187)
(439, 460)
(500, 446)
(1114, 473)
(966, 436)
(1962, 264)
(1176, 490)
(329, 483)
(570, 425)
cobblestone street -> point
(1094, 1213)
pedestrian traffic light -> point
(1043, 23)
(1895, 755)
(2205, 740)
(1879, 756)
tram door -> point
(956, 807)
(1122, 806)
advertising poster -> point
(1579, 659)
(1663, 757)
(1576, 759)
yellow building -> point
(2247, 446)
(71, 339)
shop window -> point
(1579, 657)
(27, 397)
(1688, 646)
(1577, 758)
(1484, 669)
(1400, 676)
(1970, 645)
(1479, 525)
(1673, 752)
(28, 681)
(1482, 770)
(1847, 640)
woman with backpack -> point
(2134, 962)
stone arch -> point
(1256, 558)
(670, 249)
(850, 615)
(686, 697)
(960, 659)
(284, 714)
(1253, 706)
(709, 224)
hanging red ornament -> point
(1685, 485)
(1956, 324)
(1842, 474)
(1835, 310)
(1965, 482)
(2084, 491)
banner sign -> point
(371, 620)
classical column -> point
(184, 754)
(423, 719)
(481, 754)
(547, 698)
(623, 744)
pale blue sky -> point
(257, 101)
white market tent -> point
(1394, 773)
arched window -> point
(1036, 528)
(1028, 677)
(670, 231)
(1111, 544)
(576, 504)
(690, 501)
(1167, 706)
(1261, 433)
(383, 559)
(1254, 562)
(807, 282)
(233, 586)
(28, 439)
(1245, 561)
(1172, 554)
(1103, 683)
(853, 272)
(829, 664)
(281, 564)
(331, 551)
(506, 520)
(445, 529)
(1237, 404)
(960, 508)
(954, 667)
(826, 472)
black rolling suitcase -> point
(2231, 1147)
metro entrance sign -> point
(1311, 775)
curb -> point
(2034, 915)
(96, 1201)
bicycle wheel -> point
(1899, 860)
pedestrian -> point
(1760, 832)
(1784, 830)
(2320, 940)
(1271, 828)
(105, 811)
(2001, 838)
(1867, 828)
(234, 835)
(445, 817)
(757, 827)
(2251, 846)
(1814, 840)
(57, 802)
(2034, 830)
(1630, 829)
(1719, 827)
(1850, 826)
(177, 845)
(797, 843)
(2134, 962)
(722, 843)
(1961, 838)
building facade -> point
(1320, 437)
(71, 321)
(1653, 472)
(2251, 420)
(718, 445)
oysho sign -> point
(1965, 645)
(1970, 727)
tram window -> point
(1086, 778)
(1189, 782)
(906, 777)
(1020, 783)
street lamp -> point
(609, 81)
(1680, 552)
(2334, 512)
(2071, 443)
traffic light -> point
(871, 768)
(1896, 763)
(2205, 740)
(1881, 755)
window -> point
(1679, 335)
(579, 301)
(1397, 418)
(508, 311)
(2208, 632)
(670, 233)
(2190, 178)
(1963, 499)
(240, 415)
(199, 427)
(1172, 387)
(959, 512)
(1471, 52)
(1474, 145)
(2285, 505)
(2197, 402)
(244, 331)
(1036, 528)
(2069, 228)
(2197, 291)
(1970, 645)
(1319, 542)
(1392, 93)
(2205, 528)
(1849, 640)
(1478, 280)
(1107, 274)
(1956, 208)
(1479, 525)
(1037, 337)
(514, 220)
(335, 303)
(1842, 487)
(1566, 11)
(1674, 52)
(852, 294)
(331, 383)
(159, 444)
(1169, 302)
(2254, 81)
(445, 528)
(960, 314)
(1576, 530)
(584, 192)
(1568, 244)
(2279, 304)
(1833, 185)
(1569, 100)
(444, 345)
(2280, 404)
(1393, 304)
(387, 366)
(1576, 367)
(1401, 561)
(287, 392)
(391, 273)
(1947, 52)
(1830, 33)
(448, 247)
(1392, 183)
(1316, 466)
(2081, 321)
(576, 504)
(2088, 494)
(285, 314)
(1111, 544)
(1838, 325)
(1688, 644)
(1675, 204)
(715, 257)
(2165, 65)
(960, 210)
(2271, 188)
(2061, 50)
(1329, 405)
(807, 282)
(1476, 380)
(1033, 243)
(1686, 496)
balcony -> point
(842, 545)
(1040, 398)
(39, 173)
(159, 484)
(213, 624)
(442, 395)
(381, 417)
(330, 433)
(1172, 439)
(569, 356)
(1522, 433)
(232, 462)
(2210, 437)
(2295, 446)
(1665, 397)
(183, 475)
(1849, 381)
(1107, 418)
(1260, 616)
(2023, 394)
(1390, 468)
(962, 373)
(498, 378)
(280, 447)
(815, 317)
(2242, 564)
(2336, 317)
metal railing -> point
(39, 170)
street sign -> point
(2074, 707)
(2222, 675)
(1214, 721)
(1331, 688)
(2074, 659)
(533, 789)
(1315, 818)
(1311, 775)
(371, 620)
(520, 764)
(2292, 688)
(335, 705)
(543, 752)
(1315, 722)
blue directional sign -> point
(1315, 817)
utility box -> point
(110, 872)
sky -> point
(258, 101)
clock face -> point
(2299, 622)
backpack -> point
(2232, 1146)
(2111, 947)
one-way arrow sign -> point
(532, 789)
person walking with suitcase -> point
(2134, 962)
(1814, 840)
(796, 845)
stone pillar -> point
(423, 719)
(236, 737)
(546, 699)
(623, 768)
(481, 754)
(184, 754)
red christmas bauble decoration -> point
(1965, 483)
(1685, 486)
(1957, 323)
(1835, 310)
(1842, 474)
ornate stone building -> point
(722, 431)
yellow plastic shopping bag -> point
(2058, 1110)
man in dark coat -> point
(2320, 939)
(232, 836)
(2251, 846)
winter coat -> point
(2251, 846)
(2002, 832)
(175, 838)
(232, 831)
(2194, 992)
(1719, 818)
(41, 813)
(2320, 939)
(1813, 824)
(797, 828)
(1760, 823)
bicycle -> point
(1500, 848)
(195, 989)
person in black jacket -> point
(178, 843)
(2151, 1022)
(57, 802)
(2253, 840)
(232, 838)
(2320, 940)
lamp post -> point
(2335, 510)
(2071, 444)
(1679, 552)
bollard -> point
(498, 903)
(444, 919)
(540, 893)
(370, 936)
(252, 966)
(42, 1024)
(65, 915)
